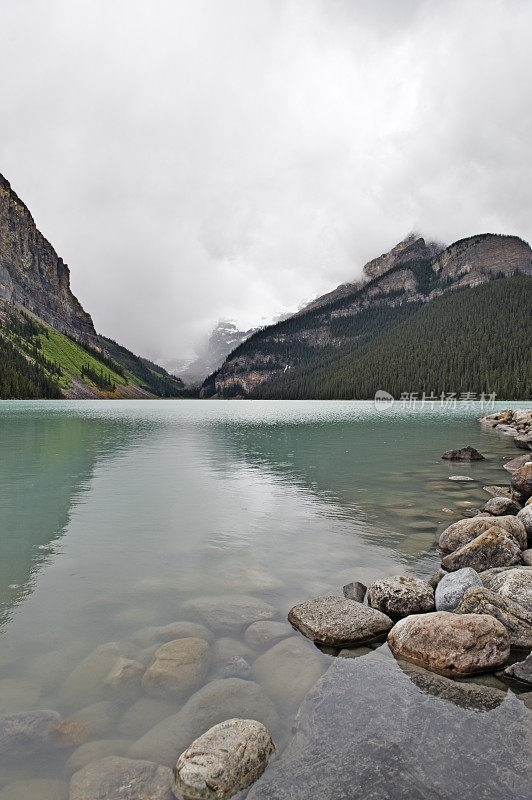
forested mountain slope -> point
(392, 290)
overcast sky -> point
(198, 159)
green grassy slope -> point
(145, 373)
(473, 339)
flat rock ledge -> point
(399, 596)
(223, 761)
(338, 622)
(451, 644)
(123, 778)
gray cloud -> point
(197, 159)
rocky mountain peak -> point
(32, 275)
(413, 247)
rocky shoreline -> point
(426, 652)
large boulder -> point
(399, 596)
(467, 453)
(177, 668)
(228, 614)
(516, 619)
(493, 548)
(287, 670)
(123, 778)
(85, 684)
(369, 729)
(451, 644)
(226, 759)
(338, 622)
(463, 531)
(501, 506)
(521, 481)
(213, 703)
(523, 441)
(516, 463)
(452, 587)
(25, 732)
(123, 681)
(525, 517)
(515, 584)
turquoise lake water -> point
(115, 514)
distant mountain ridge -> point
(394, 285)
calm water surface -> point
(114, 514)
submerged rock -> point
(287, 671)
(493, 548)
(213, 703)
(355, 591)
(338, 622)
(516, 463)
(516, 619)
(123, 778)
(85, 684)
(38, 788)
(515, 584)
(463, 531)
(260, 634)
(467, 453)
(399, 596)
(123, 681)
(236, 667)
(368, 729)
(23, 733)
(168, 633)
(460, 478)
(95, 751)
(228, 613)
(451, 644)
(453, 586)
(226, 759)
(177, 668)
(521, 671)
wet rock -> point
(144, 714)
(453, 586)
(515, 584)
(69, 733)
(85, 684)
(177, 668)
(525, 517)
(436, 578)
(265, 633)
(521, 671)
(168, 633)
(526, 557)
(226, 759)
(399, 596)
(460, 478)
(25, 732)
(338, 622)
(38, 789)
(521, 481)
(213, 703)
(355, 591)
(498, 491)
(116, 777)
(226, 648)
(354, 652)
(451, 644)
(98, 718)
(49, 670)
(96, 751)
(501, 506)
(228, 613)
(467, 453)
(287, 671)
(516, 463)
(236, 667)
(465, 530)
(523, 441)
(123, 681)
(478, 692)
(516, 619)
(493, 548)
(369, 730)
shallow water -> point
(115, 514)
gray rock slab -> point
(370, 729)
(338, 622)
(452, 587)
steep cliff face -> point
(413, 273)
(32, 274)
